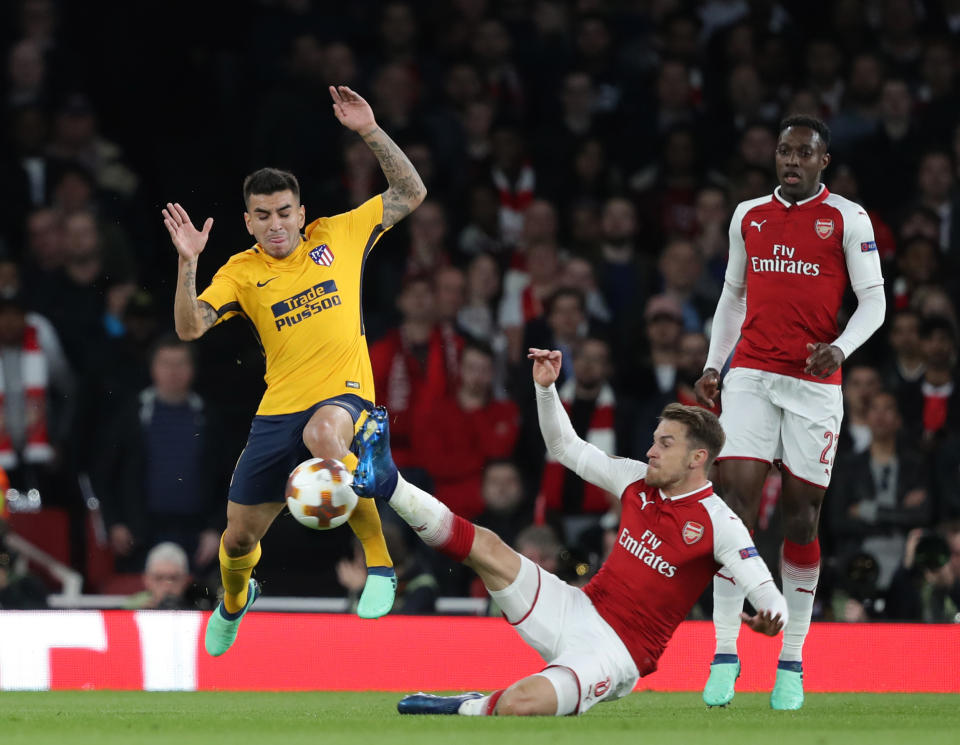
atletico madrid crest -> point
(322, 255)
(824, 228)
(692, 532)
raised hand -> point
(546, 365)
(351, 110)
(188, 241)
(764, 622)
(707, 386)
(824, 360)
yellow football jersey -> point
(306, 309)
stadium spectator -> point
(481, 234)
(859, 110)
(681, 268)
(663, 322)
(931, 404)
(449, 289)
(564, 324)
(860, 384)
(879, 494)
(711, 217)
(927, 584)
(918, 262)
(161, 470)
(937, 92)
(166, 579)
(905, 363)
(428, 250)
(665, 190)
(691, 357)
(76, 136)
(856, 597)
(506, 508)
(886, 160)
(415, 361)
(27, 169)
(477, 316)
(513, 175)
(460, 432)
(934, 300)
(527, 287)
(626, 266)
(823, 61)
(936, 190)
(36, 399)
(578, 273)
(557, 142)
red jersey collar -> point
(808, 202)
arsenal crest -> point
(692, 532)
(824, 228)
(322, 255)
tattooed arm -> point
(406, 190)
(191, 317)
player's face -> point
(671, 458)
(801, 156)
(275, 220)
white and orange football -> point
(319, 493)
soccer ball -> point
(319, 493)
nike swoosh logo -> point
(264, 284)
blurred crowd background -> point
(583, 158)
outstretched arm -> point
(191, 317)
(609, 472)
(406, 190)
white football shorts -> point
(561, 624)
(772, 417)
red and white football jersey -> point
(796, 261)
(665, 556)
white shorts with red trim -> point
(561, 624)
(772, 417)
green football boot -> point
(378, 593)
(724, 672)
(787, 694)
(222, 627)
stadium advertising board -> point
(163, 650)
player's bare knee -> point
(239, 540)
(486, 543)
(799, 530)
(321, 437)
(517, 701)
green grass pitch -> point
(130, 718)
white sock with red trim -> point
(433, 521)
(800, 574)
(480, 707)
(727, 606)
